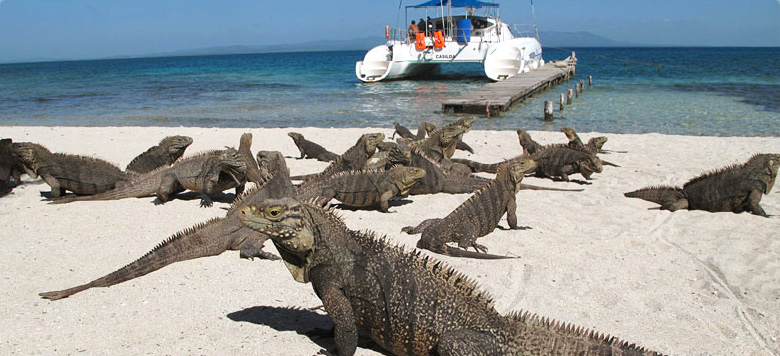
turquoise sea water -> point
(691, 91)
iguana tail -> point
(140, 186)
(445, 249)
(658, 194)
(202, 240)
(524, 186)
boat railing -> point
(523, 30)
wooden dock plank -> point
(500, 96)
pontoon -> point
(454, 31)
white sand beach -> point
(682, 283)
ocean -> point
(685, 91)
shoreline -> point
(683, 283)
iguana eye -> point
(274, 212)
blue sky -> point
(78, 29)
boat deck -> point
(499, 96)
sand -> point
(683, 283)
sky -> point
(87, 29)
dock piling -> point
(548, 110)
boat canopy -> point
(455, 3)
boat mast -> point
(533, 13)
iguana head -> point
(284, 222)
(295, 136)
(589, 165)
(766, 164)
(233, 165)
(30, 156)
(271, 163)
(570, 133)
(175, 145)
(597, 142)
(405, 177)
(517, 169)
(371, 140)
(428, 127)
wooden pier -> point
(499, 96)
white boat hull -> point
(502, 55)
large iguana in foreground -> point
(408, 303)
(477, 216)
(210, 238)
(75, 173)
(206, 173)
(735, 188)
(310, 149)
(166, 152)
(363, 189)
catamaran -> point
(452, 31)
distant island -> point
(548, 38)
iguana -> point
(210, 238)
(403, 132)
(169, 150)
(311, 150)
(593, 146)
(563, 161)
(206, 173)
(735, 188)
(363, 189)
(441, 143)
(78, 174)
(253, 173)
(353, 159)
(389, 154)
(408, 303)
(477, 216)
(6, 165)
(429, 128)
(527, 143)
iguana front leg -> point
(168, 185)
(753, 199)
(56, 190)
(338, 307)
(384, 200)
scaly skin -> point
(209, 238)
(207, 173)
(408, 303)
(6, 163)
(734, 188)
(78, 174)
(442, 143)
(312, 150)
(169, 150)
(477, 216)
(563, 161)
(429, 128)
(363, 189)
(253, 173)
(354, 159)
(402, 132)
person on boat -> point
(413, 29)
(421, 25)
(430, 26)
